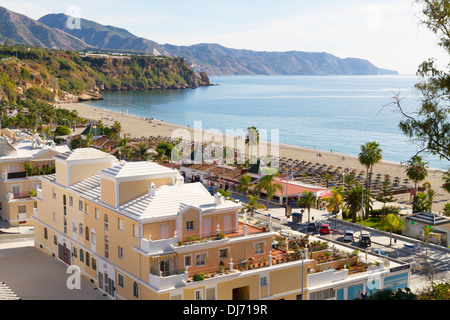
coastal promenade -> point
(138, 127)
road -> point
(435, 265)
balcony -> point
(169, 280)
(17, 196)
(16, 175)
(149, 246)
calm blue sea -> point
(338, 113)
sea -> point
(328, 113)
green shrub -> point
(199, 277)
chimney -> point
(151, 189)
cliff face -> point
(66, 76)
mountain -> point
(103, 37)
(19, 29)
(215, 59)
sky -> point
(387, 33)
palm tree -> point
(328, 177)
(426, 236)
(251, 139)
(370, 155)
(245, 182)
(416, 170)
(116, 128)
(123, 148)
(159, 157)
(334, 202)
(252, 205)
(392, 223)
(140, 152)
(446, 185)
(385, 194)
(353, 201)
(308, 200)
(349, 180)
(268, 184)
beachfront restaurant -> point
(294, 190)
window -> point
(88, 258)
(94, 264)
(97, 214)
(80, 205)
(54, 216)
(259, 248)
(15, 188)
(135, 231)
(45, 234)
(187, 261)
(81, 255)
(93, 237)
(71, 201)
(198, 295)
(86, 233)
(54, 194)
(81, 229)
(263, 282)
(86, 208)
(55, 239)
(120, 224)
(135, 290)
(120, 252)
(105, 217)
(22, 208)
(75, 252)
(121, 280)
(223, 253)
(74, 227)
(106, 247)
(200, 259)
(323, 295)
(190, 225)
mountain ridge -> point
(214, 59)
(16, 28)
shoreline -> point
(138, 127)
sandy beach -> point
(138, 127)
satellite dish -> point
(386, 262)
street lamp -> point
(290, 237)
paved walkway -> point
(33, 275)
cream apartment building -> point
(17, 182)
(137, 231)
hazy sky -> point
(385, 32)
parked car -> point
(349, 236)
(364, 240)
(312, 226)
(381, 252)
(325, 229)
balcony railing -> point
(161, 282)
(17, 196)
(16, 175)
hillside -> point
(215, 59)
(103, 37)
(19, 29)
(67, 76)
